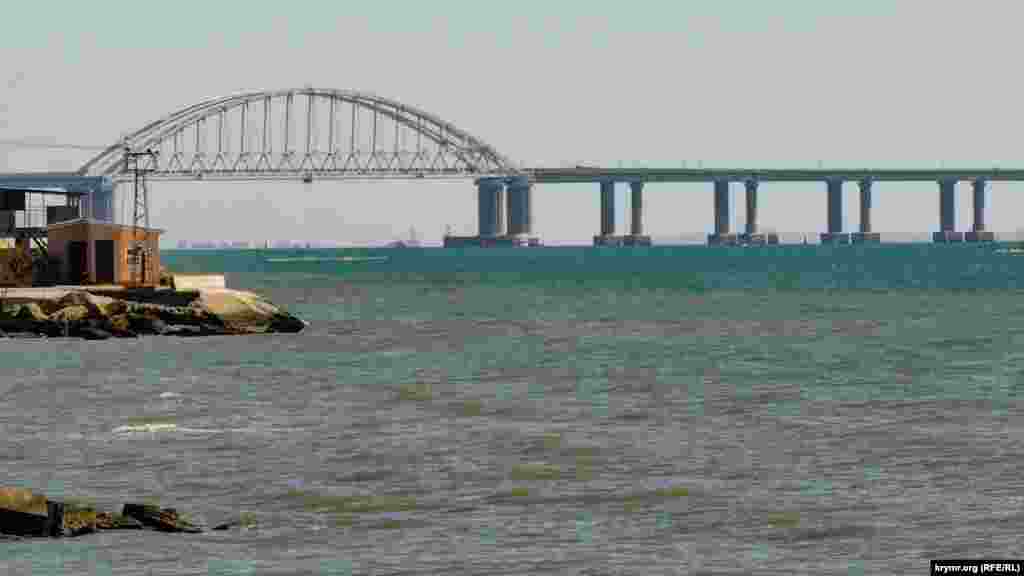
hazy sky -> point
(728, 82)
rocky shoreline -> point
(24, 514)
(133, 313)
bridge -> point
(310, 134)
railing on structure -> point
(596, 174)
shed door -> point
(78, 266)
(104, 261)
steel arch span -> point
(302, 133)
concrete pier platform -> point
(866, 238)
(947, 237)
(980, 236)
(490, 241)
(835, 238)
(627, 240)
(758, 239)
(723, 240)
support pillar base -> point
(758, 239)
(835, 238)
(979, 236)
(866, 238)
(638, 240)
(489, 241)
(723, 240)
(947, 237)
(628, 240)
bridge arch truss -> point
(302, 133)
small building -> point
(86, 251)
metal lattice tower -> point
(140, 211)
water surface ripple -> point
(573, 411)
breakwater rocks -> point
(132, 313)
(27, 514)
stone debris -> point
(160, 519)
(108, 521)
(24, 513)
(80, 314)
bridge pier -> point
(636, 230)
(606, 236)
(947, 213)
(519, 207)
(751, 236)
(607, 208)
(835, 234)
(978, 232)
(865, 236)
(751, 189)
(636, 200)
(489, 206)
(492, 197)
(501, 216)
(722, 236)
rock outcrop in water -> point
(24, 513)
(129, 314)
(159, 519)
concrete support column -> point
(979, 205)
(721, 207)
(636, 199)
(751, 186)
(947, 205)
(502, 221)
(519, 212)
(978, 232)
(835, 234)
(865, 236)
(488, 196)
(865, 206)
(529, 208)
(607, 208)
(835, 206)
(947, 213)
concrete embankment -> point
(100, 312)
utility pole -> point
(138, 256)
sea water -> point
(663, 410)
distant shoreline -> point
(785, 240)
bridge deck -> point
(566, 175)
